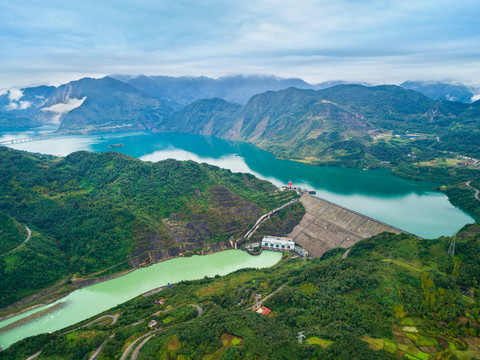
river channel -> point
(87, 302)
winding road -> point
(145, 338)
(34, 355)
(476, 190)
(113, 317)
(29, 235)
(266, 297)
(97, 352)
(259, 222)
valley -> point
(156, 211)
(345, 125)
(77, 306)
(230, 180)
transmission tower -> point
(300, 337)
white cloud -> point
(12, 106)
(60, 109)
(24, 105)
(63, 108)
(15, 94)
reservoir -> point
(89, 301)
(412, 206)
(409, 205)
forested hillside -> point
(12, 234)
(109, 103)
(393, 297)
(345, 125)
(419, 138)
(91, 211)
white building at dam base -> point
(277, 243)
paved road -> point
(345, 254)
(29, 235)
(266, 297)
(137, 349)
(145, 338)
(31, 357)
(199, 309)
(130, 347)
(260, 220)
(97, 352)
(476, 190)
(113, 317)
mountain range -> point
(440, 90)
(344, 125)
(347, 124)
(140, 102)
(185, 90)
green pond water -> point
(408, 205)
(87, 302)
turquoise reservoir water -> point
(87, 302)
(408, 205)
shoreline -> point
(191, 274)
(434, 186)
(53, 298)
(80, 284)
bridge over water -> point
(51, 135)
(38, 137)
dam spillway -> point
(326, 226)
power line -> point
(451, 249)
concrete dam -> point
(326, 226)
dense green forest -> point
(12, 234)
(32, 266)
(393, 297)
(84, 205)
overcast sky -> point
(377, 41)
